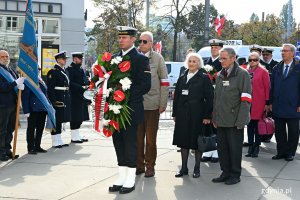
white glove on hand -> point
(20, 80)
(26, 115)
(21, 86)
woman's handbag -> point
(266, 126)
(207, 141)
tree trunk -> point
(174, 45)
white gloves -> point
(26, 115)
(21, 86)
(20, 80)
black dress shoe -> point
(41, 150)
(84, 140)
(10, 155)
(205, 159)
(182, 173)
(32, 152)
(76, 141)
(115, 188)
(64, 145)
(220, 179)
(278, 157)
(289, 158)
(214, 160)
(139, 171)
(232, 181)
(196, 174)
(57, 146)
(246, 144)
(125, 190)
(4, 157)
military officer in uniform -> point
(125, 141)
(268, 59)
(215, 46)
(79, 107)
(58, 93)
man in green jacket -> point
(232, 102)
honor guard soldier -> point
(79, 106)
(215, 46)
(58, 93)
(125, 141)
(268, 59)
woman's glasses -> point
(253, 60)
(143, 41)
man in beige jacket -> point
(155, 102)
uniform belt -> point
(61, 88)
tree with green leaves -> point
(254, 18)
(284, 15)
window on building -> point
(11, 23)
(50, 26)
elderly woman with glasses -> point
(260, 101)
(192, 109)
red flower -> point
(210, 76)
(107, 132)
(105, 107)
(119, 96)
(114, 124)
(98, 71)
(92, 85)
(124, 66)
(106, 57)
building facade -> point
(59, 26)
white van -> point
(242, 51)
(174, 71)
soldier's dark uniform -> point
(271, 64)
(125, 141)
(79, 106)
(59, 96)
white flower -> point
(116, 60)
(126, 83)
(115, 108)
(208, 68)
(105, 122)
(108, 91)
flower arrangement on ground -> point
(111, 110)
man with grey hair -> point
(155, 102)
(232, 102)
(285, 103)
(9, 84)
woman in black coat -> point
(192, 108)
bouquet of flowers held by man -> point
(111, 83)
(211, 72)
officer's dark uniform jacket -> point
(141, 83)
(79, 106)
(215, 64)
(271, 65)
(8, 96)
(58, 93)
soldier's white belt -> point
(61, 88)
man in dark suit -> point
(215, 46)
(125, 141)
(59, 96)
(285, 103)
(9, 84)
(79, 107)
(268, 59)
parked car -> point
(174, 71)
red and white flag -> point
(219, 24)
(158, 47)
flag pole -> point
(17, 123)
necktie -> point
(225, 73)
(285, 71)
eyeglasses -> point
(222, 59)
(143, 41)
(252, 60)
(285, 50)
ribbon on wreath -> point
(100, 98)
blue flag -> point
(28, 62)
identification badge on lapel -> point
(226, 83)
(185, 92)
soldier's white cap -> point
(126, 30)
(216, 42)
(256, 47)
(62, 54)
(77, 54)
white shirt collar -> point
(126, 52)
(288, 64)
(147, 54)
(214, 59)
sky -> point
(237, 10)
